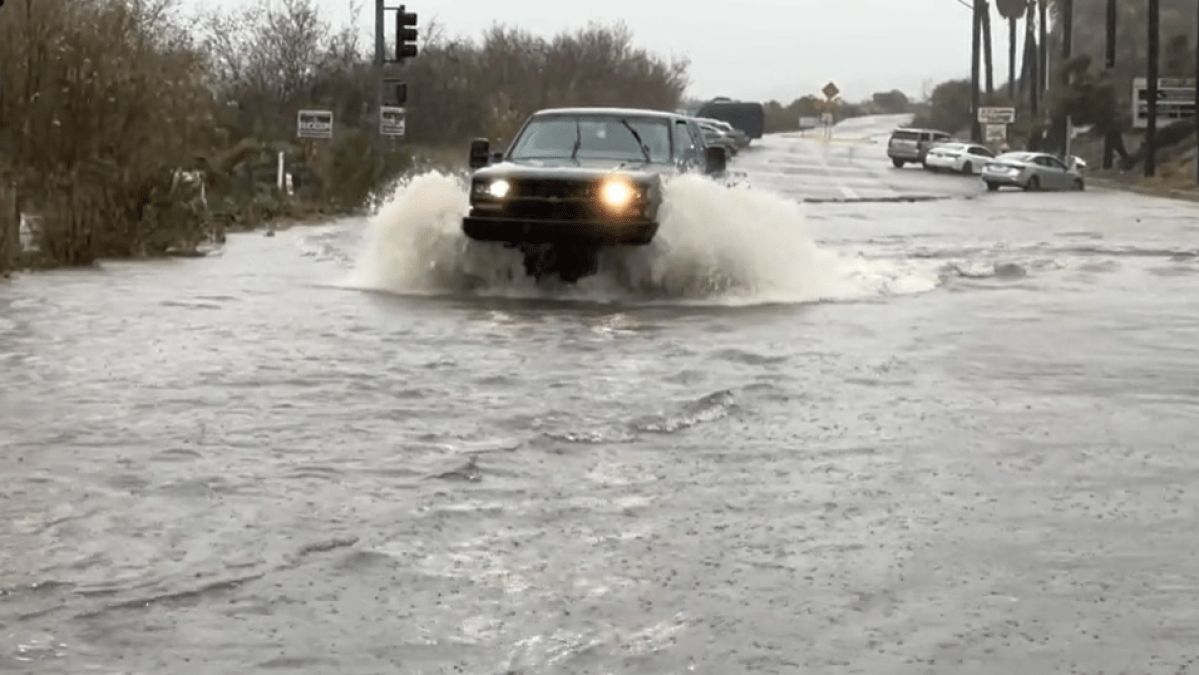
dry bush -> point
(105, 102)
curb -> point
(1191, 195)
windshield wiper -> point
(640, 143)
(574, 152)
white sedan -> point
(966, 158)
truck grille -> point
(553, 189)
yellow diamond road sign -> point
(830, 91)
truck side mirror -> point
(715, 160)
(480, 153)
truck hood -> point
(568, 169)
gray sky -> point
(755, 49)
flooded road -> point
(954, 437)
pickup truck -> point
(576, 180)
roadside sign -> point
(997, 115)
(315, 124)
(392, 121)
(830, 91)
(808, 122)
(996, 133)
(1175, 100)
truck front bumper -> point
(538, 231)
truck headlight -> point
(617, 193)
(499, 188)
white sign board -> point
(315, 124)
(1175, 100)
(996, 133)
(997, 115)
(392, 121)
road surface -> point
(952, 436)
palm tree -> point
(1011, 10)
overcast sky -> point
(754, 49)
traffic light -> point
(405, 34)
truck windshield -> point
(594, 137)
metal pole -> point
(1196, 116)
(1067, 10)
(1154, 49)
(1109, 146)
(380, 61)
(975, 103)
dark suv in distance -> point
(575, 180)
(912, 145)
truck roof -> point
(615, 112)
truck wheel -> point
(992, 187)
(575, 262)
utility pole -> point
(1154, 54)
(988, 54)
(975, 102)
(1196, 117)
(1109, 145)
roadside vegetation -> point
(129, 128)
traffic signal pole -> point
(1154, 49)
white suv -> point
(912, 145)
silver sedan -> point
(1033, 171)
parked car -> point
(576, 180)
(911, 146)
(1034, 171)
(967, 158)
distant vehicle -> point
(1034, 171)
(576, 180)
(716, 136)
(749, 117)
(967, 158)
(740, 138)
(911, 146)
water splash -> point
(716, 245)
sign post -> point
(1175, 100)
(315, 124)
(995, 123)
(392, 121)
(831, 91)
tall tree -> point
(1011, 10)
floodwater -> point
(953, 436)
